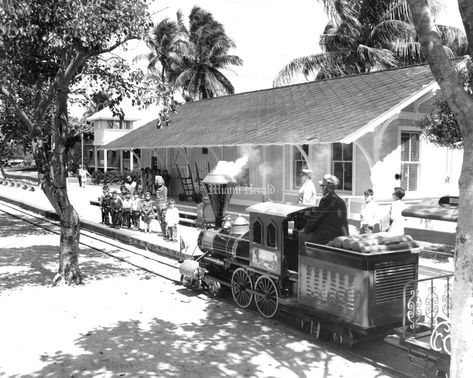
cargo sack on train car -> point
(374, 243)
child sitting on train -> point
(172, 220)
(136, 210)
(116, 210)
(147, 212)
(126, 210)
(369, 215)
(104, 201)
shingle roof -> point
(317, 112)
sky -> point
(268, 33)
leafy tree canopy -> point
(441, 126)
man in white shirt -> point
(307, 193)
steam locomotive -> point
(351, 295)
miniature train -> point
(351, 295)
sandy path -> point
(124, 322)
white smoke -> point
(230, 169)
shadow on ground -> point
(37, 265)
(227, 344)
(13, 226)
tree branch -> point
(440, 65)
(20, 112)
(466, 11)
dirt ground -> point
(126, 322)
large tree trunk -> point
(462, 299)
(53, 171)
(462, 106)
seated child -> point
(104, 201)
(116, 210)
(369, 217)
(172, 220)
(136, 210)
(126, 210)
(147, 212)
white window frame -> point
(332, 170)
(293, 186)
(417, 130)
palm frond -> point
(388, 30)
(375, 57)
(304, 65)
(408, 52)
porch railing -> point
(427, 304)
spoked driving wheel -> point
(267, 299)
(241, 284)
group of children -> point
(371, 219)
(127, 211)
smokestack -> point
(219, 189)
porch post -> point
(121, 161)
(96, 158)
(105, 160)
(132, 154)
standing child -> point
(126, 210)
(104, 201)
(172, 220)
(116, 210)
(135, 210)
(147, 212)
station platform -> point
(37, 202)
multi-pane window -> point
(299, 165)
(410, 162)
(119, 125)
(342, 164)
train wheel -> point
(267, 299)
(241, 282)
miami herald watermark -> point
(244, 190)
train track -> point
(167, 269)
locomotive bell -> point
(240, 225)
(219, 189)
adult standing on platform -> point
(82, 176)
(329, 220)
(130, 184)
(161, 204)
(307, 193)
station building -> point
(361, 128)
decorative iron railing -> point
(426, 313)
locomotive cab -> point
(274, 237)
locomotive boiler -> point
(348, 293)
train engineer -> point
(330, 218)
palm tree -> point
(366, 35)
(205, 57)
(168, 42)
